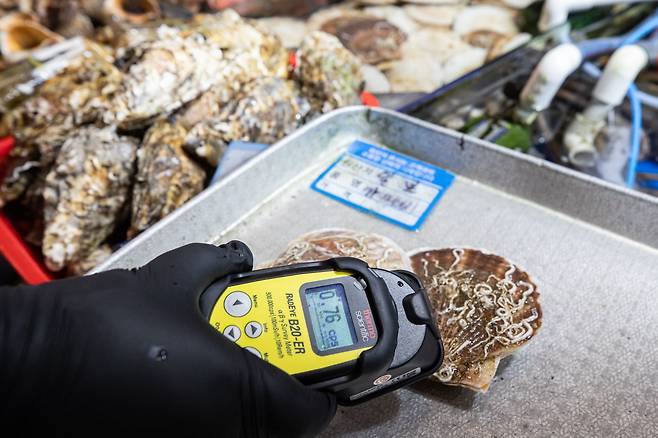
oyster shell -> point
(231, 32)
(163, 75)
(485, 307)
(95, 258)
(166, 177)
(79, 94)
(85, 193)
(373, 40)
(290, 31)
(329, 75)
(263, 111)
(378, 251)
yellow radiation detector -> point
(336, 325)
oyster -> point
(263, 111)
(231, 32)
(290, 31)
(373, 40)
(378, 251)
(80, 94)
(163, 75)
(485, 307)
(166, 177)
(329, 75)
(97, 256)
(85, 193)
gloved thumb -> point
(192, 268)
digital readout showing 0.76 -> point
(330, 317)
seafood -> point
(378, 251)
(440, 16)
(95, 258)
(290, 31)
(162, 75)
(20, 35)
(486, 308)
(85, 193)
(263, 111)
(483, 25)
(329, 75)
(79, 94)
(373, 40)
(166, 177)
(133, 12)
(233, 33)
(397, 16)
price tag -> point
(389, 185)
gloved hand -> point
(130, 349)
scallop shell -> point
(416, 72)
(376, 81)
(485, 307)
(290, 31)
(440, 16)
(396, 16)
(373, 40)
(463, 62)
(489, 18)
(132, 11)
(378, 251)
(166, 177)
(318, 19)
(20, 35)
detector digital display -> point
(330, 317)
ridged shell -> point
(485, 308)
(378, 251)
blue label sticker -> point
(389, 185)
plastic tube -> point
(636, 133)
(617, 78)
(556, 12)
(546, 80)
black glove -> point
(125, 349)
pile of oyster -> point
(121, 136)
(414, 45)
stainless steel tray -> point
(591, 246)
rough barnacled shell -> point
(85, 193)
(163, 75)
(79, 94)
(329, 74)
(373, 40)
(20, 35)
(378, 251)
(166, 177)
(97, 256)
(231, 32)
(485, 308)
(263, 111)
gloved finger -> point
(282, 406)
(192, 268)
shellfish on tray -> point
(85, 193)
(378, 251)
(485, 307)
